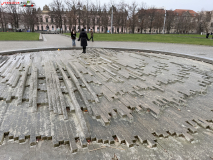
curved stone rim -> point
(188, 56)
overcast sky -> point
(196, 5)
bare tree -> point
(116, 19)
(120, 16)
(123, 14)
(151, 14)
(29, 18)
(199, 26)
(99, 17)
(105, 18)
(170, 17)
(57, 13)
(193, 24)
(84, 16)
(132, 16)
(184, 21)
(179, 20)
(3, 18)
(65, 20)
(80, 14)
(14, 14)
(93, 15)
(159, 19)
(72, 13)
(205, 18)
(87, 16)
(142, 17)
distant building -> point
(184, 21)
(185, 12)
(144, 21)
(45, 22)
(177, 21)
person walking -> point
(207, 35)
(91, 35)
(84, 38)
(73, 37)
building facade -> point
(182, 21)
(145, 21)
(46, 22)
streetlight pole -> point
(87, 17)
(164, 22)
(79, 16)
(111, 19)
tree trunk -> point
(2, 26)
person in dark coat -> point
(73, 37)
(207, 35)
(84, 38)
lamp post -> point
(164, 22)
(78, 15)
(111, 19)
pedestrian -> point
(73, 37)
(91, 35)
(84, 38)
(207, 35)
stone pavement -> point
(55, 40)
(105, 104)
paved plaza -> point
(52, 40)
(106, 104)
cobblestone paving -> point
(104, 96)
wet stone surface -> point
(105, 104)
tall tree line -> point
(127, 18)
(132, 18)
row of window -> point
(67, 28)
(153, 31)
(48, 27)
(41, 20)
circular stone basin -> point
(108, 96)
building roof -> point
(181, 11)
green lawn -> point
(163, 38)
(19, 36)
(189, 35)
